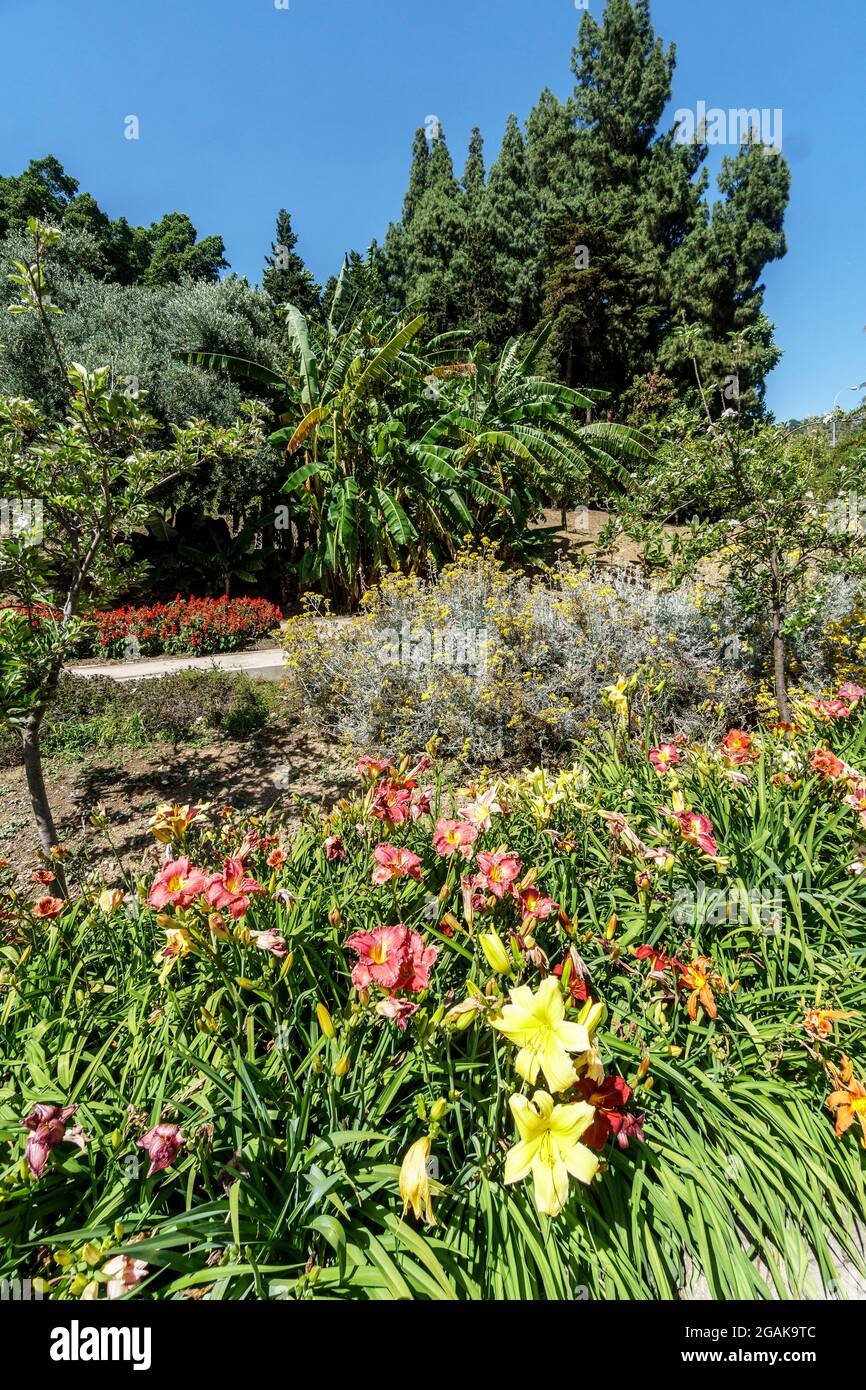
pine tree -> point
(286, 279)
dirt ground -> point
(283, 765)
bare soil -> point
(283, 766)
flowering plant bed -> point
(191, 626)
(556, 1036)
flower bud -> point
(438, 1109)
(341, 1066)
(610, 929)
(326, 1023)
(334, 918)
(494, 950)
(592, 1015)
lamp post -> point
(835, 400)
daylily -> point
(609, 1098)
(123, 1273)
(415, 1181)
(496, 952)
(739, 747)
(660, 960)
(47, 1125)
(231, 890)
(851, 692)
(394, 862)
(399, 1011)
(109, 900)
(418, 961)
(171, 821)
(276, 859)
(163, 1143)
(857, 801)
(497, 872)
(698, 831)
(43, 876)
(422, 804)
(535, 905)
(480, 810)
(848, 1100)
(48, 908)
(271, 941)
(663, 758)
(334, 848)
(369, 769)
(381, 955)
(827, 764)
(178, 944)
(392, 803)
(549, 1148)
(699, 979)
(178, 884)
(576, 986)
(536, 1024)
(454, 837)
(818, 1023)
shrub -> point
(97, 712)
(182, 704)
(503, 668)
(193, 626)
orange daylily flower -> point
(848, 1101)
(818, 1023)
(700, 980)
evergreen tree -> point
(474, 174)
(286, 279)
(431, 236)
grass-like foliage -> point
(266, 1067)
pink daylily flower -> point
(536, 905)
(698, 831)
(334, 848)
(393, 958)
(231, 890)
(663, 758)
(47, 1125)
(270, 940)
(392, 803)
(163, 1143)
(394, 862)
(177, 884)
(454, 837)
(399, 1011)
(498, 872)
(123, 1273)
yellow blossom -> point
(536, 1024)
(549, 1148)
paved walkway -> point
(263, 665)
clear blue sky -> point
(245, 107)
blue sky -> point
(244, 107)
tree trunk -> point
(779, 682)
(30, 736)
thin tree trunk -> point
(779, 681)
(32, 746)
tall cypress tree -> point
(286, 279)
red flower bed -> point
(197, 626)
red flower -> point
(391, 803)
(498, 872)
(660, 960)
(334, 848)
(576, 983)
(609, 1097)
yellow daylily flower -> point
(415, 1181)
(536, 1024)
(549, 1148)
